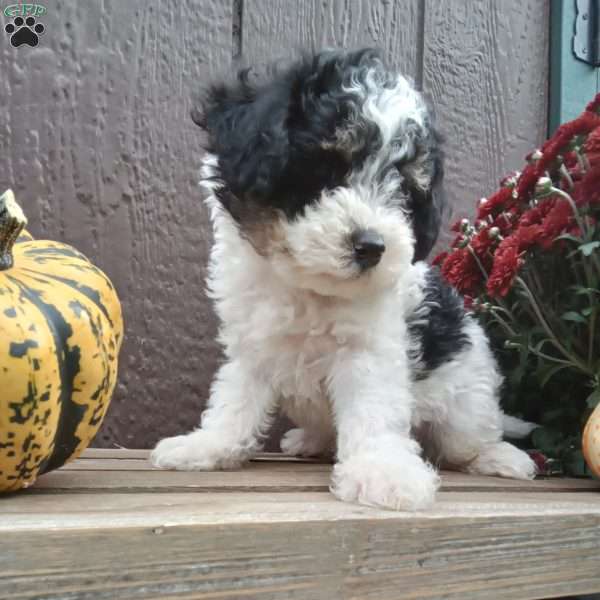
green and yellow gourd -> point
(60, 334)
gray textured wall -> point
(96, 141)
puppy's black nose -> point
(368, 247)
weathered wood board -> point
(87, 532)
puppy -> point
(324, 191)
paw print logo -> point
(24, 31)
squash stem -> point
(12, 222)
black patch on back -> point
(438, 325)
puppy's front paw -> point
(400, 484)
(299, 442)
(197, 451)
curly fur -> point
(379, 366)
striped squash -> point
(60, 334)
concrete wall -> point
(96, 141)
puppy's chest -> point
(304, 343)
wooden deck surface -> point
(110, 526)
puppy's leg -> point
(315, 435)
(378, 464)
(238, 413)
(465, 420)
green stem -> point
(565, 196)
(591, 338)
(542, 321)
(474, 255)
(12, 222)
(504, 324)
(566, 175)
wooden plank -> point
(121, 475)
(280, 29)
(136, 454)
(311, 547)
(99, 509)
(573, 83)
(115, 453)
(485, 64)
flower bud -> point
(464, 225)
(494, 233)
(510, 180)
(543, 187)
(534, 156)
(482, 201)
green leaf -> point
(588, 311)
(547, 371)
(594, 398)
(579, 290)
(575, 463)
(549, 441)
(568, 236)
(573, 316)
(587, 249)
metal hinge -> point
(586, 40)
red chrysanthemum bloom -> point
(594, 105)
(462, 271)
(592, 148)
(528, 236)
(536, 214)
(507, 262)
(587, 190)
(501, 200)
(482, 242)
(587, 122)
(506, 221)
(439, 259)
(557, 221)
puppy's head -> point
(330, 170)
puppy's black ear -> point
(427, 202)
(246, 130)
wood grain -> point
(100, 509)
(97, 143)
(485, 65)
(345, 556)
(494, 542)
(281, 29)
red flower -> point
(594, 105)
(439, 259)
(587, 190)
(592, 148)
(501, 200)
(536, 214)
(551, 148)
(507, 262)
(527, 236)
(506, 220)
(555, 222)
(461, 270)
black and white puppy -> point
(323, 190)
